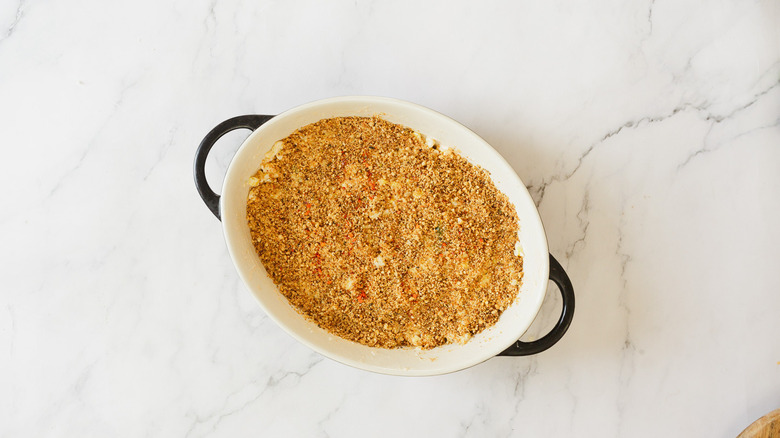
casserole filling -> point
(381, 236)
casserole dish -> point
(499, 339)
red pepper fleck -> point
(361, 297)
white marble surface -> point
(648, 132)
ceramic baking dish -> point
(500, 339)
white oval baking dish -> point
(500, 339)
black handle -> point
(559, 277)
(251, 122)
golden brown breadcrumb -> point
(382, 237)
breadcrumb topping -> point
(382, 237)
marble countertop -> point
(647, 132)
